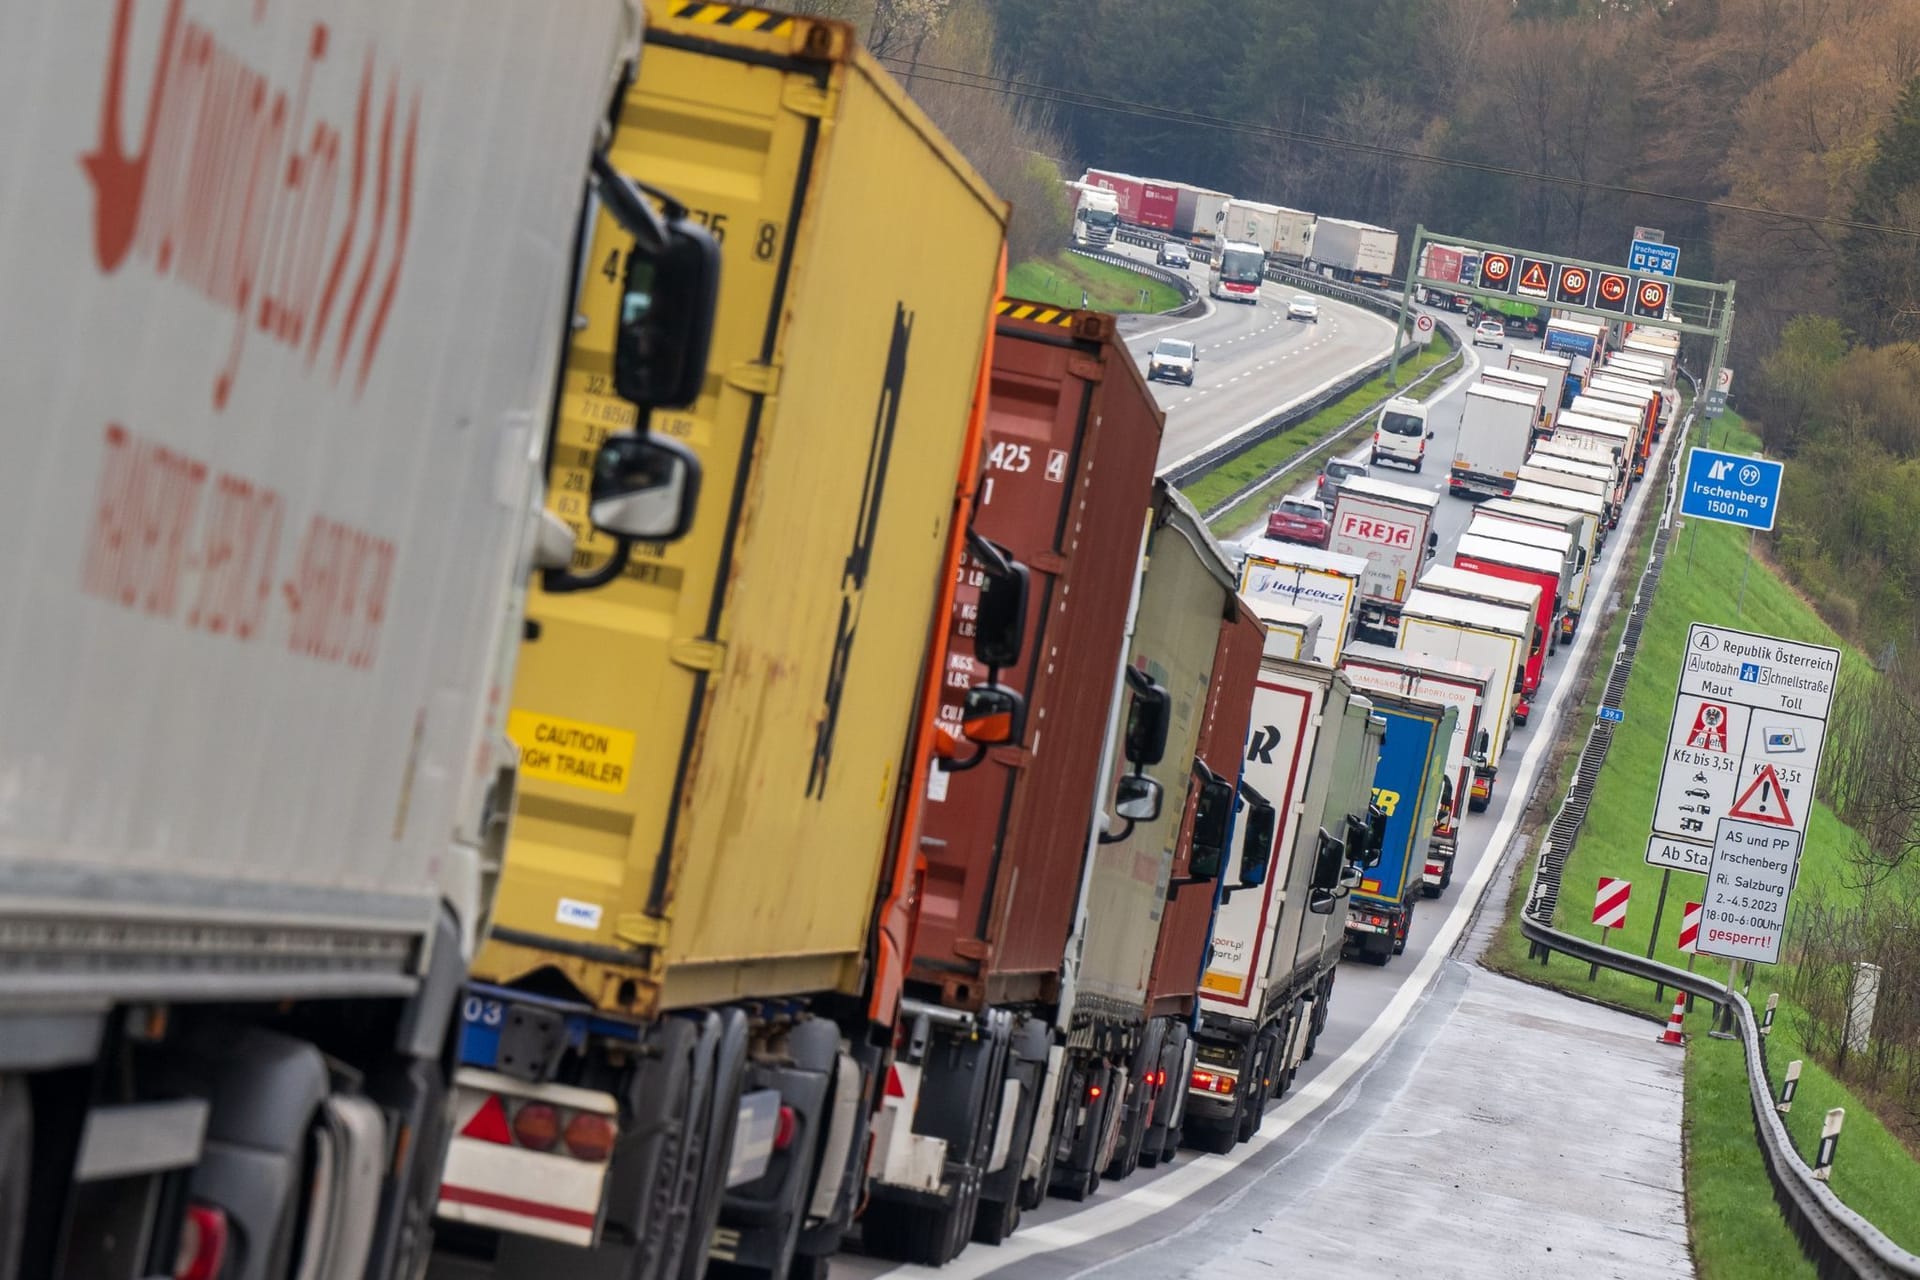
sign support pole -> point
(1659, 905)
(1741, 600)
(1400, 331)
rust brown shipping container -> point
(1067, 472)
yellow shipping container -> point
(713, 745)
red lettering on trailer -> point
(1372, 529)
(227, 197)
(171, 535)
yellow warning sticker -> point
(572, 751)
(1224, 982)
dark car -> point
(1174, 255)
(1300, 520)
(1336, 473)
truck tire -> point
(995, 1220)
(912, 1233)
(1406, 929)
(1033, 1191)
(16, 1168)
(1214, 1139)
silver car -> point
(1172, 360)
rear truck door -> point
(712, 744)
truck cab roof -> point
(1294, 553)
(1433, 606)
(1448, 580)
(1555, 542)
(1379, 655)
(1528, 511)
(1511, 395)
(1575, 420)
(1540, 357)
(1546, 494)
(1388, 491)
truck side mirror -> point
(1000, 617)
(644, 487)
(1376, 836)
(1147, 714)
(1257, 852)
(1212, 820)
(1433, 544)
(1482, 744)
(1138, 799)
(667, 302)
(1430, 435)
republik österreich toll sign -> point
(1749, 724)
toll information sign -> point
(1750, 879)
(1749, 723)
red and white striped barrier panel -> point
(1610, 902)
(1689, 928)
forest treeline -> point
(1765, 138)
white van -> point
(1401, 435)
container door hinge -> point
(1087, 369)
(754, 378)
(804, 99)
(641, 931)
(698, 655)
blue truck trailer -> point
(1407, 785)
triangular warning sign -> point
(1535, 276)
(1763, 801)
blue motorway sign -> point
(1654, 258)
(1613, 715)
(1731, 488)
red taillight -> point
(894, 1088)
(783, 1131)
(203, 1244)
(1208, 1082)
(536, 1126)
(590, 1136)
(1093, 1092)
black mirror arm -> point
(561, 581)
(1115, 837)
(989, 554)
(636, 216)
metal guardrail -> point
(1836, 1239)
(1190, 296)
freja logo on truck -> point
(234, 195)
(1373, 529)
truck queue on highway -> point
(702, 741)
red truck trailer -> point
(1003, 840)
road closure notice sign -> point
(1749, 883)
(1749, 723)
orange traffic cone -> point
(1673, 1035)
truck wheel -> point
(1033, 1191)
(911, 1233)
(1406, 928)
(1446, 877)
(995, 1220)
(16, 1165)
(1211, 1138)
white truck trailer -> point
(276, 549)
(1356, 252)
(1496, 429)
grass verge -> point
(1730, 1200)
(1061, 279)
(1269, 456)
